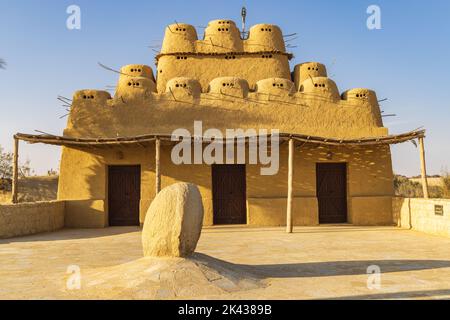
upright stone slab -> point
(173, 222)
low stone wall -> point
(30, 218)
(419, 215)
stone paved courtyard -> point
(264, 263)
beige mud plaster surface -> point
(230, 263)
(173, 222)
(313, 115)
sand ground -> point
(231, 263)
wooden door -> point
(332, 192)
(124, 193)
(229, 194)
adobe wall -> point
(252, 67)
(311, 113)
(83, 178)
(419, 215)
(30, 218)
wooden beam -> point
(158, 165)
(15, 177)
(423, 168)
(289, 227)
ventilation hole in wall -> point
(281, 85)
(84, 97)
(92, 97)
(315, 85)
(224, 84)
(177, 85)
(262, 29)
(160, 71)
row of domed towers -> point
(309, 78)
(224, 62)
(222, 36)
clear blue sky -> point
(407, 61)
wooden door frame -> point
(346, 188)
(106, 203)
(244, 196)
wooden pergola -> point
(156, 139)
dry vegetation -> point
(33, 189)
(412, 188)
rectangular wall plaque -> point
(438, 210)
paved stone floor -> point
(253, 263)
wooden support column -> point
(423, 168)
(289, 227)
(158, 165)
(15, 176)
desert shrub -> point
(446, 184)
(435, 191)
(406, 188)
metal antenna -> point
(243, 15)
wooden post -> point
(289, 227)
(15, 177)
(158, 165)
(423, 168)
